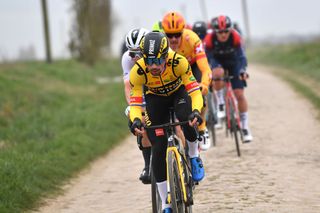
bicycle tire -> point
(212, 120)
(176, 193)
(234, 128)
(189, 184)
(155, 197)
(227, 119)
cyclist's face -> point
(223, 36)
(174, 40)
(156, 69)
(135, 55)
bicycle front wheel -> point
(175, 184)
(156, 199)
(212, 119)
(234, 129)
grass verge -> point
(299, 63)
(54, 120)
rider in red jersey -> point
(225, 51)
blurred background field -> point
(54, 120)
(297, 63)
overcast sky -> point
(21, 20)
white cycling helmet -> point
(134, 38)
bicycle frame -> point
(230, 97)
(233, 124)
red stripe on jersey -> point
(194, 60)
(192, 85)
(136, 99)
(200, 56)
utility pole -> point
(184, 11)
(204, 10)
(46, 30)
(246, 20)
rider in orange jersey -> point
(187, 43)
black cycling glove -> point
(136, 124)
(195, 114)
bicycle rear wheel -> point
(156, 199)
(175, 184)
(234, 128)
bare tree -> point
(91, 31)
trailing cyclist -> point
(187, 43)
(157, 27)
(200, 28)
(169, 80)
(225, 51)
(129, 58)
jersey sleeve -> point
(190, 82)
(137, 81)
(208, 41)
(126, 66)
(202, 61)
(237, 40)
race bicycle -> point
(179, 179)
(233, 124)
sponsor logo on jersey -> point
(175, 62)
(159, 132)
(166, 88)
(199, 48)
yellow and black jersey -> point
(177, 73)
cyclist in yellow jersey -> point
(170, 83)
(187, 43)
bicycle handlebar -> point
(224, 78)
(167, 125)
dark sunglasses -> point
(222, 31)
(135, 54)
(156, 61)
(176, 35)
